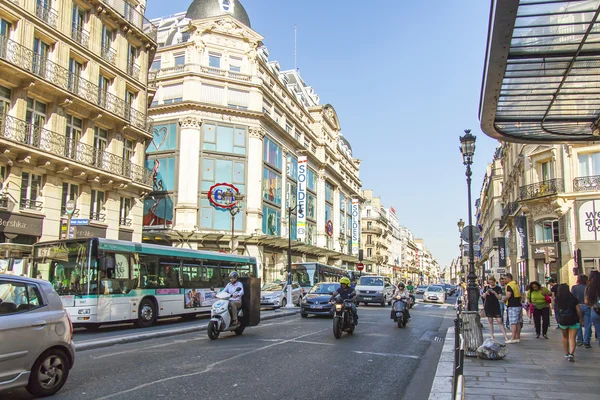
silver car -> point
(275, 294)
(36, 350)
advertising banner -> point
(501, 252)
(355, 226)
(301, 210)
(199, 298)
(521, 225)
(588, 220)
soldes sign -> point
(301, 210)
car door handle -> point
(39, 324)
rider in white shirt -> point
(236, 296)
(403, 293)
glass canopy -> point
(542, 72)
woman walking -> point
(491, 306)
(592, 299)
(538, 300)
(569, 318)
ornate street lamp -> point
(234, 199)
(467, 149)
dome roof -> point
(213, 8)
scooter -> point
(400, 311)
(413, 300)
(220, 320)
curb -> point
(113, 341)
(442, 383)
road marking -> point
(428, 305)
(307, 342)
(386, 354)
(208, 368)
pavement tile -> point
(487, 379)
(445, 369)
(442, 384)
(512, 385)
(478, 397)
(497, 391)
(440, 396)
(565, 395)
(533, 381)
(515, 397)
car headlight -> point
(85, 311)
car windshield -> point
(435, 289)
(324, 288)
(423, 287)
(370, 281)
(65, 265)
(272, 287)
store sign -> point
(355, 226)
(301, 200)
(89, 231)
(539, 251)
(588, 220)
(20, 224)
(218, 197)
(521, 225)
(502, 252)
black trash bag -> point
(492, 350)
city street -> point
(290, 357)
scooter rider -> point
(235, 302)
(346, 293)
(410, 287)
(403, 293)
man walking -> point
(514, 308)
(584, 333)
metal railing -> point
(46, 14)
(36, 64)
(130, 13)
(133, 70)
(80, 35)
(459, 352)
(543, 188)
(586, 183)
(507, 211)
(28, 204)
(125, 221)
(54, 143)
(95, 216)
(153, 75)
(108, 54)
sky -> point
(405, 79)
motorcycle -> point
(413, 300)
(400, 311)
(220, 319)
(343, 320)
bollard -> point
(472, 334)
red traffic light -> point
(360, 266)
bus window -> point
(148, 271)
(168, 274)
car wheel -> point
(304, 315)
(146, 314)
(49, 373)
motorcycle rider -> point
(235, 302)
(346, 293)
(403, 293)
(410, 287)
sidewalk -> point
(534, 369)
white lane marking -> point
(307, 342)
(386, 354)
(428, 305)
(210, 367)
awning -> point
(541, 81)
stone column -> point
(254, 185)
(186, 210)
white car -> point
(274, 295)
(36, 347)
(434, 294)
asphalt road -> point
(291, 358)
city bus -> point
(103, 281)
(309, 274)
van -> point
(374, 289)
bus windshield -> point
(65, 265)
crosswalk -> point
(443, 306)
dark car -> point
(316, 300)
(421, 289)
(450, 289)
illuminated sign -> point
(301, 201)
(355, 226)
(218, 198)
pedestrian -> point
(569, 319)
(492, 294)
(584, 334)
(514, 308)
(528, 306)
(592, 299)
(553, 288)
(503, 302)
(537, 298)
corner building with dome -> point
(226, 114)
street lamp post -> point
(234, 199)
(461, 226)
(289, 297)
(467, 148)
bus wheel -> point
(146, 314)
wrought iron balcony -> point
(95, 216)
(54, 143)
(372, 229)
(540, 189)
(34, 63)
(28, 204)
(128, 11)
(108, 54)
(133, 70)
(587, 183)
(125, 221)
(507, 211)
(80, 35)
(44, 12)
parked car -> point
(275, 294)
(36, 350)
(316, 301)
(374, 289)
(435, 294)
(421, 289)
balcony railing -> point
(544, 188)
(108, 54)
(372, 229)
(510, 209)
(54, 143)
(46, 14)
(125, 221)
(178, 69)
(133, 70)
(133, 16)
(587, 183)
(28, 204)
(30, 61)
(80, 35)
(95, 216)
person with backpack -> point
(592, 299)
(569, 318)
(538, 298)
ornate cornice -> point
(190, 123)
(540, 209)
(256, 132)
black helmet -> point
(234, 274)
(401, 285)
(410, 282)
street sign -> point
(329, 228)
(466, 236)
(360, 266)
(80, 221)
(70, 207)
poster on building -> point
(589, 220)
(355, 226)
(501, 252)
(521, 236)
(301, 198)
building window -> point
(214, 60)
(132, 56)
(292, 195)
(292, 166)
(97, 206)
(69, 192)
(369, 252)
(328, 212)
(235, 64)
(179, 59)
(311, 206)
(78, 33)
(311, 179)
(224, 139)
(163, 173)
(30, 191)
(271, 186)
(124, 210)
(271, 221)
(288, 127)
(267, 107)
(36, 119)
(229, 171)
(369, 239)
(155, 64)
(546, 231)
(589, 164)
(278, 116)
(103, 87)
(328, 192)
(75, 69)
(272, 153)
(100, 143)
(107, 39)
(311, 233)
(297, 134)
(368, 213)
(172, 93)
(547, 170)
(5, 30)
(72, 135)
(40, 56)
(5, 96)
